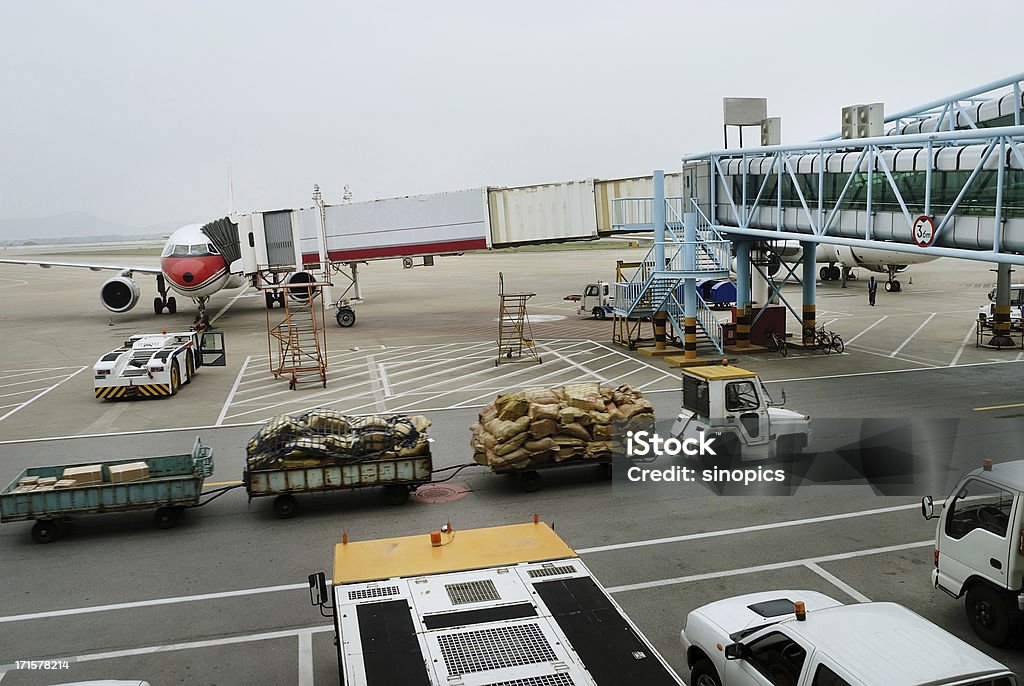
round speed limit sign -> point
(924, 231)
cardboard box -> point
(65, 483)
(89, 475)
(24, 489)
(46, 481)
(28, 481)
(131, 471)
(48, 487)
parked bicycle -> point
(821, 339)
(773, 342)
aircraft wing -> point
(46, 264)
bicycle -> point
(773, 342)
(826, 340)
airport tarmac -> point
(222, 600)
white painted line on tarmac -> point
(888, 356)
(150, 603)
(45, 378)
(231, 394)
(890, 371)
(851, 340)
(306, 657)
(971, 330)
(192, 645)
(42, 393)
(384, 380)
(575, 365)
(838, 583)
(660, 370)
(229, 304)
(768, 567)
(911, 336)
(747, 529)
(15, 373)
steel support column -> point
(742, 293)
(690, 286)
(809, 318)
(1001, 325)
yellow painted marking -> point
(998, 407)
(407, 556)
(215, 484)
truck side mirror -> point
(734, 651)
(318, 589)
(928, 507)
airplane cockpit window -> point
(180, 251)
(203, 250)
(168, 250)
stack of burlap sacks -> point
(533, 427)
(323, 437)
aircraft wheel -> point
(346, 317)
(835, 272)
(270, 298)
(825, 273)
(889, 286)
(158, 305)
(896, 286)
(172, 305)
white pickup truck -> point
(768, 639)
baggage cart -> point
(175, 482)
(399, 476)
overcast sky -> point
(131, 110)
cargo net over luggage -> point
(533, 427)
(323, 436)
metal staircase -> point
(651, 290)
(300, 353)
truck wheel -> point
(599, 313)
(284, 506)
(396, 495)
(175, 378)
(530, 481)
(988, 615)
(190, 367)
(346, 317)
(728, 450)
(44, 531)
(704, 674)
(167, 517)
(788, 449)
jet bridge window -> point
(741, 396)
(778, 658)
(979, 505)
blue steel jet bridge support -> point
(947, 180)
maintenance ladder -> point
(515, 337)
(297, 344)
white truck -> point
(805, 638)
(979, 547)
(987, 313)
(156, 365)
(504, 605)
(732, 405)
(596, 300)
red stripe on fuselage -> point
(399, 251)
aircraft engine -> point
(119, 294)
(300, 278)
(872, 260)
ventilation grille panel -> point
(552, 571)
(472, 592)
(497, 648)
(378, 592)
(560, 679)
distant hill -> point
(79, 226)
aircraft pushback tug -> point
(505, 605)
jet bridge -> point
(955, 190)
